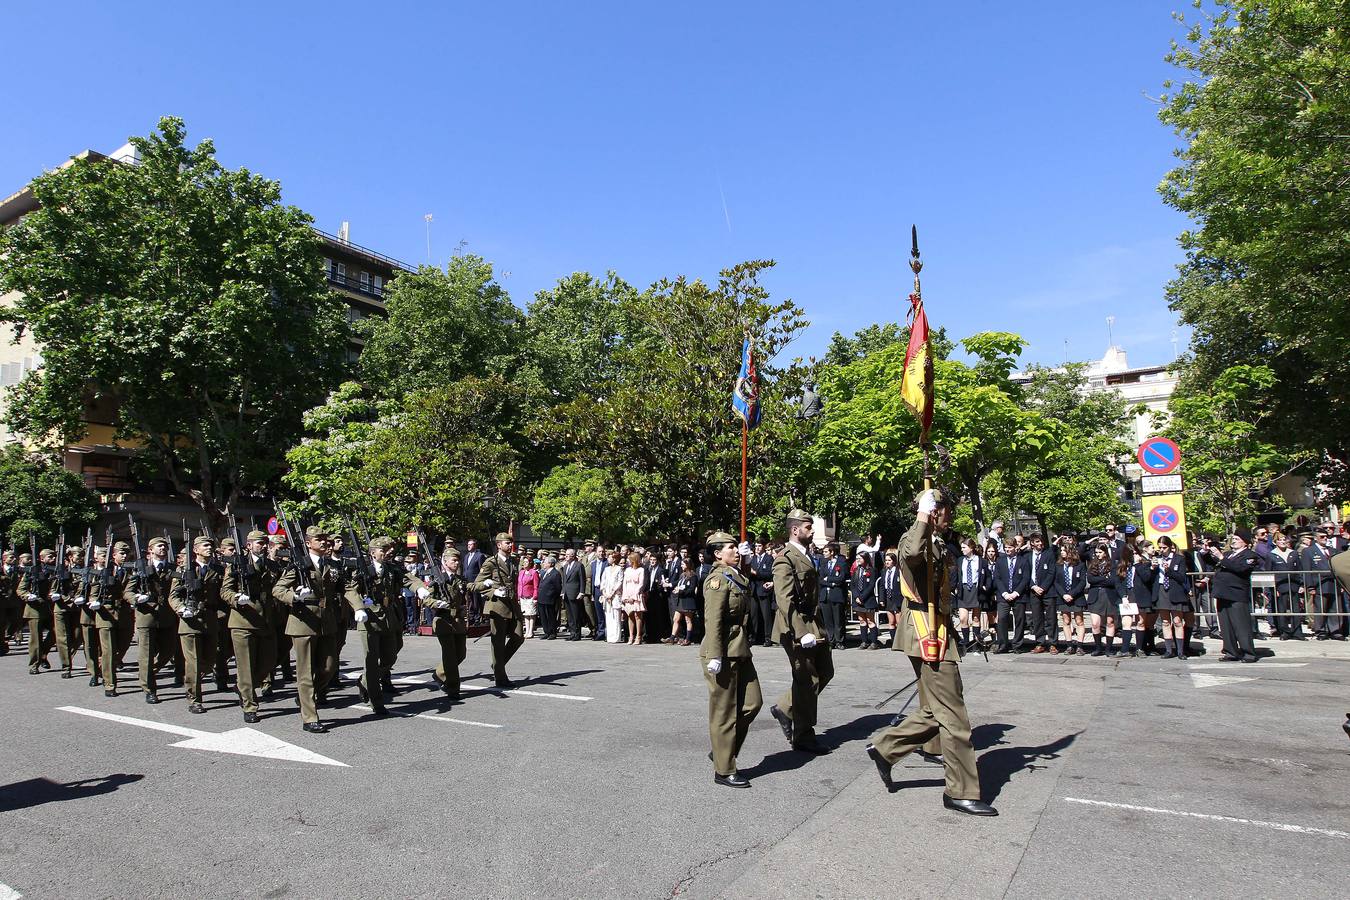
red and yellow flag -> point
(916, 385)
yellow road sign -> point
(1164, 514)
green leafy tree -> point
(442, 326)
(573, 500)
(1227, 465)
(1264, 113)
(574, 330)
(326, 467)
(184, 297)
(40, 497)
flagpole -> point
(745, 472)
(916, 266)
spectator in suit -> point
(572, 578)
(833, 577)
(595, 573)
(761, 578)
(1287, 602)
(1040, 595)
(1010, 577)
(473, 564)
(550, 592)
(1319, 587)
(1232, 587)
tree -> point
(1227, 465)
(1264, 115)
(183, 295)
(442, 326)
(40, 497)
(573, 500)
(574, 330)
(662, 417)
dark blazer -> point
(573, 580)
(550, 587)
(1178, 580)
(761, 575)
(1043, 574)
(888, 588)
(1316, 561)
(864, 586)
(1012, 574)
(833, 577)
(1075, 584)
(1141, 592)
(1102, 588)
(1233, 576)
(473, 564)
(1286, 585)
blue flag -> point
(745, 397)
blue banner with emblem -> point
(745, 397)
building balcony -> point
(355, 285)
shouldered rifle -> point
(365, 574)
(139, 566)
(108, 568)
(243, 558)
(87, 571)
(191, 584)
(439, 580)
(300, 560)
(35, 568)
(59, 571)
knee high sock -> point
(1110, 643)
(1096, 641)
(1126, 641)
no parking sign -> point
(1164, 514)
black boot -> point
(1110, 645)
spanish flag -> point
(916, 385)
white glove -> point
(808, 641)
(423, 593)
(927, 502)
(745, 549)
(243, 600)
(142, 598)
(487, 582)
(499, 592)
(362, 615)
(55, 596)
(442, 604)
(714, 666)
(94, 604)
(32, 598)
(79, 600)
(305, 593)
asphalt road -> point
(596, 784)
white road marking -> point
(1278, 826)
(431, 716)
(1202, 680)
(8, 893)
(1264, 665)
(522, 691)
(239, 741)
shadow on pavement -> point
(998, 766)
(834, 738)
(37, 791)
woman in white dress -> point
(611, 594)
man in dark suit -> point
(656, 623)
(761, 577)
(1012, 574)
(833, 595)
(550, 592)
(594, 569)
(1319, 587)
(473, 563)
(572, 578)
(1040, 594)
(1231, 587)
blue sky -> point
(668, 139)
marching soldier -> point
(84, 592)
(448, 608)
(112, 611)
(932, 651)
(281, 644)
(226, 557)
(313, 588)
(156, 625)
(497, 579)
(66, 613)
(734, 697)
(34, 588)
(797, 627)
(195, 597)
(392, 578)
(11, 605)
(247, 591)
(378, 616)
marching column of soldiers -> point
(257, 599)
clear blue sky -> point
(661, 139)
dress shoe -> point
(251, 718)
(970, 807)
(67, 674)
(733, 781)
(1227, 657)
(32, 670)
(1053, 651)
(196, 708)
(388, 687)
(784, 722)
(883, 767)
(1250, 658)
(316, 728)
(452, 695)
(94, 680)
(110, 693)
(505, 683)
(812, 746)
(152, 698)
(934, 758)
(361, 689)
(379, 709)
(46, 664)
(178, 681)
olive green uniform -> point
(11, 606)
(65, 620)
(89, 625)
(157, 641)
(449, 627)
(111, 618)
(734, 697)
(35, 583)
(382, 632)
(312, 627)
(250, 624)
(797, 599)
(502, 609)
(197, 633)
(942, 708)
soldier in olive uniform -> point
(447, 605)
(156, 623)
(83, 591)
(378, 613)
(923, 562)
(734, 698)
(197, 615)
(497, 582)
(65, 612)
(108, 601)
(313, 588)
(247, 591)
(11, 606)
(281, 644)
(796, 626)
(225, 556)
(34, 588)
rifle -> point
(35, 569)
(440, 582)
(141, 574)
(87, 572)
(300, 560)
(365, 576)
(243, 559)
(191, 584)
(57, 574)
(108, 566)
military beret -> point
(451, 551)
(203, 541)
(314, 531)
(381, 543)
(503, 536)
(799, 515)
(123, 546)
(228, 542)
(719, 537)
(278, 539)
(157, 542)
(256, 535)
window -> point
(341, 273)
(365, 281)
(379, 285)
(327, 267)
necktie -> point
(1129, 578)
(1067, 569)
